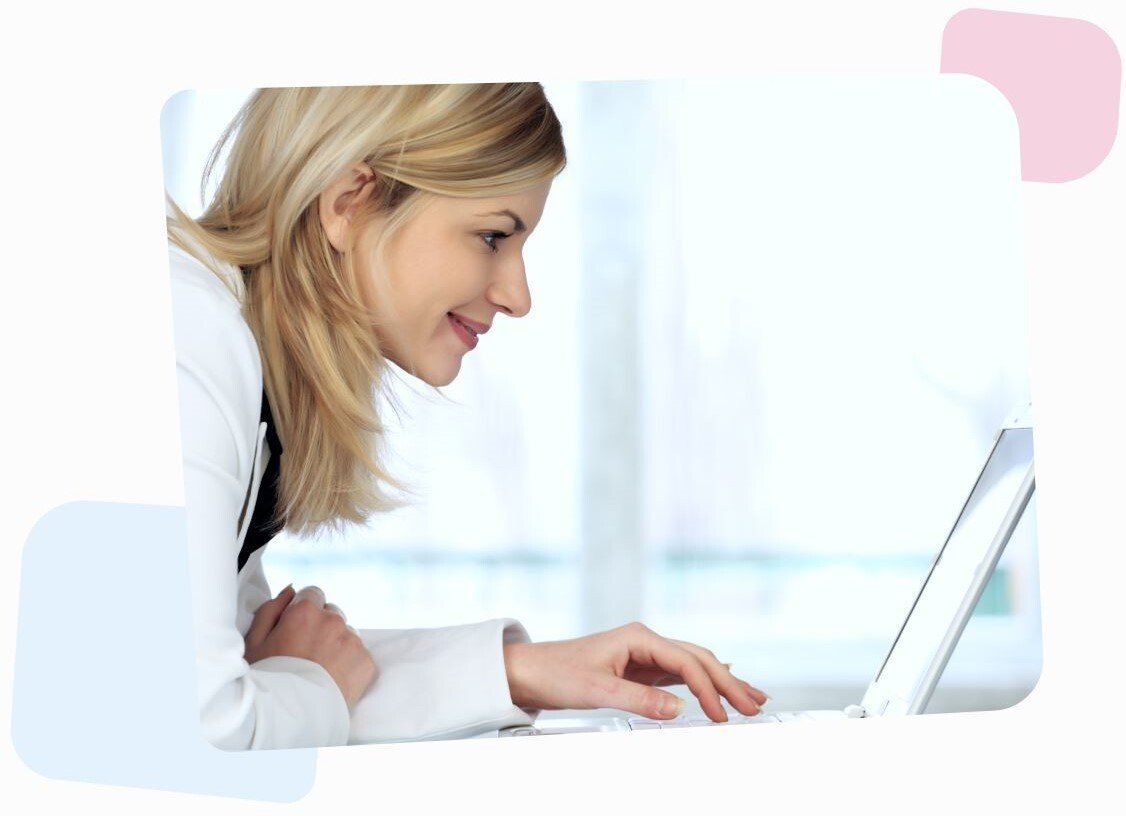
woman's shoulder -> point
(205, 292)
(213, 342)
(216, 281)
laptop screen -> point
(942, 606)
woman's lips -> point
(463, 330)
(478, 328)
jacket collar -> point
(271, 432)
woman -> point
(352, 227)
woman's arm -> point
(462, 680)
(282, 701)
(438, 683)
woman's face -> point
(449, 272)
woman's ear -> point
(340, 201)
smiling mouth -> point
(462, 330)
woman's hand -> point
(619, 669)
(301, 624)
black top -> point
(261, 530)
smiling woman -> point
(445, 275)
(353, 227)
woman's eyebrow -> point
(520, 227)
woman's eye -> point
(496, 236)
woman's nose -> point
(510, 292)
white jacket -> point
(431, 683)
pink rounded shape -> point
(1061, 76)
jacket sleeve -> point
(280, 702)
(439, 683)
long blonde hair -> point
(321, 361)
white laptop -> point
(919, 653)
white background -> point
(86, 335)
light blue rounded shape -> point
(104, 680)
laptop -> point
(926, 639)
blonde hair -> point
(321, 361)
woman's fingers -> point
(266, 618)
(649, 676)
(737, 693)
(312, 594)
(758, 695)
(674, 659)
(640, 699)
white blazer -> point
(431, 683)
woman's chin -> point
(439, 375)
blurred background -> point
(776, 323)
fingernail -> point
(672, 706)
(727, 666)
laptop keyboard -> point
(643, 724)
